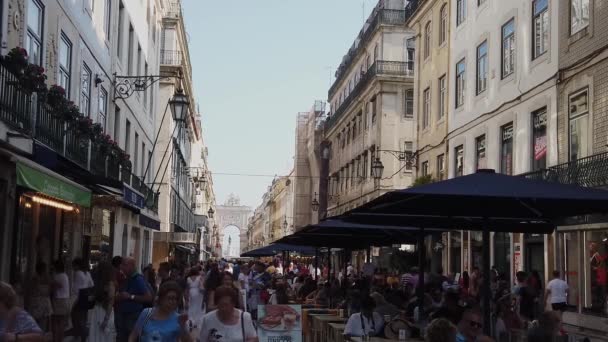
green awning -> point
(46, 183)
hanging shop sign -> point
(45, 183)
(133, 198)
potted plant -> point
(84, 126)
(55, 97)
(33, 79)
(16, 60)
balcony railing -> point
(171, 57)
(380, 17)
(173, 9)
(591, 171)
(379, 68)
(18, 110)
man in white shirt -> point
(366, 322)
(557, 291)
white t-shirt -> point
(81, 281)
(558, 289)
(354, 328)
(63, 292)
(213, 330)
(244, 279)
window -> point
(443, 25)
(128, 137)
(65, 63)
(424, 168)
(461, 11)
(579, 125)
(143, 159)
(33, 40)
(409, 154)
(107, 20)
(138, 61)
(85, 90)
(365, 165)
(130, 51)
(136, 153)
(117, 124)
(540, 25)
(147, 89)
(121, 16)
(427, 40)
(508, 48)
(460, 83)
(103, 107)
(579, 15)
(409, 103)
(426, 110)
(458, 160)
(480, 2)
(480, 152)
(482, 67)
(411, 53)
(440, 167)
(376, 52)
(373, 105)
(539, 139)
(506, 149)
(442, 97)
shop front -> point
(51, 215)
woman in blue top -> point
(162, 323)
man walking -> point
(557, 291)
(131, 299)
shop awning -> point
(184, 248)
(149, 222)
(36, 177)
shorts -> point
(559, 306)
(61, 306)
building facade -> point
(370, 118)
(431, 24)
(71, 172)
(177, 133)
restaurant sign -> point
(280, 323)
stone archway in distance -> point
(229, 215)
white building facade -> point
(502, 115)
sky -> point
(256, 64)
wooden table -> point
(307, 326)
(320, 324)
(336, 332)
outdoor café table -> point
(320, 325)
(307, 320)
(336, 333)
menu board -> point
(280, 323)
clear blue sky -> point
(256, 64)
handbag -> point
(86, 299)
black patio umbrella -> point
(276, 248)
(484, 201)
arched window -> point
(427, 40)
(443, 25)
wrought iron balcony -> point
(18, 110)
(379, 68)
(590, 171)
(171, 57)
(379, 18)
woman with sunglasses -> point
(162, 322)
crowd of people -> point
(217, 301)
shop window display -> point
(572, 266)
(455, 250)
(597, 271)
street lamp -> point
(377, 169)
(315, 203)
(210, 213)
(179, 105)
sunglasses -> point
(474, 324)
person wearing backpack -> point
(131, 298)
